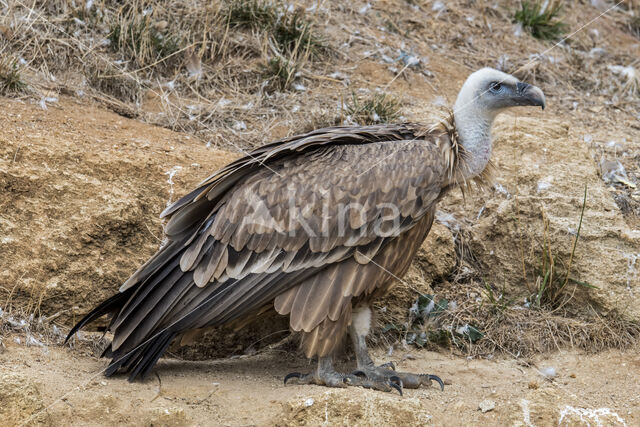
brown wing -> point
(302, 214)
(366, 281)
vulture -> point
(314, 227)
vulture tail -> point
(109, 306)
(141, 360)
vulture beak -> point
(529, 95)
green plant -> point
(10, 77)
(553, 274)
(379, 108)
(251, 13)
(541, 19)
(280, 72)
(497, 303)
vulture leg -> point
(383, 376)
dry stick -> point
(159, 393)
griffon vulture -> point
(315, 226)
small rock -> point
(549, 372)
(487, 405)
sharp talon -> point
(359, 373)
(438, 380)
(292, 375)
(389, 365)
(396, 383)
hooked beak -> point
(529, 95)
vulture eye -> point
(495, 87)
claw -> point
(434, 378)
(292, 375)
(389, 365)
(396, 383)
(359, 373)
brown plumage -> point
(311, 225)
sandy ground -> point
(587, 389)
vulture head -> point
(485, 94)
(493, 91)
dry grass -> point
(475, 318)
(43, 332)
(553, 274)
(288, 30)
(634, 25)
(137, 38)
(487, 324)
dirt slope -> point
(82, 189)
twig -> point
(159, 387)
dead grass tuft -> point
(280, 72)
(288, 29)
(138, 38)
(553, 273)
(479, 326)
(634, 25)
(378, 108)
(114, 85)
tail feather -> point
(108, 306)
(151, 355)
(141, 360)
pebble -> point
(487, 405)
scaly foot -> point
(336, 379)
(386, 372)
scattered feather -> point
(194, 65)
(239, 125)
(549, 372)
(630, 78)
(364, 9)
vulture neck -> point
(474, 132)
